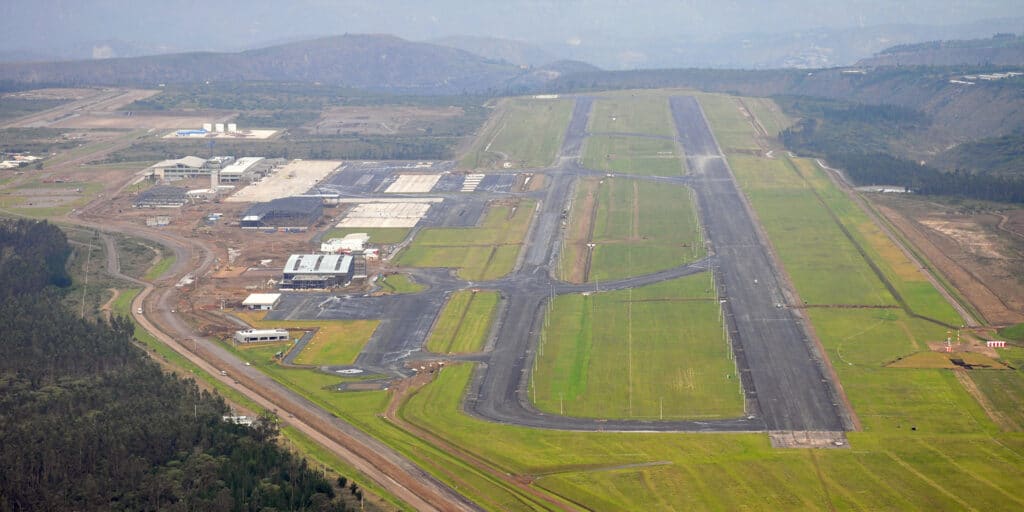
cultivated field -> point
(525, 133)
(481, 253)
(653, 352)
(463, 324)
(637, 227)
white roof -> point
(318, 264)
(262, 332)
(192, 162)
(241, 165)
(261, 299)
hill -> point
(379, 62)
(515, 52)
(1000, 50)
(958, 113)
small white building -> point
(262, 301)
(261, 335)
(351, 242)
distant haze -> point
(609, 33)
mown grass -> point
(632, 114)
(733, 132)
(642, 227)
(365, 409)
(161, 267)
(464, 323)
(19, 204)
(1005, 391)
(377, 235)
(823, 264)
(657, 351)
(480, 253)
(336, 342)
(632, 155)
(638, 228)
(771, 117)
(912, 285)
(529, 133)
(607, 471)
(399, 283)
(1013, 332)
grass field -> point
(399, 283)
(1005, 391)
(1013, 332)
(613, 471)
(464, 323)
(377, 235)
(337, 342)
(632, 155)
(24, 205)
(364, 409)
(824, 265)
(652, 352)
(637, 227)
(734, 132)
(633, 113)
(480, 253)
(769, 115)
(528, 133)
(158, 270)
(629, 154)
(927, 444)
(902, 274)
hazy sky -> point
(223, 24)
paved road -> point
(377, 461)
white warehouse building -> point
(261, 335)
(262, 301)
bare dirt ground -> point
(379, 120)
(982, 253)
(581, 233)
(142, 120)
(84, 101)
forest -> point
(88, 422)
(858, 139)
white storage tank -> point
(232, 127)
(220, 127)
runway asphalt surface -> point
(782, 376)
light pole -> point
(590, 258)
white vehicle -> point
(139, 311)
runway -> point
(782, 376)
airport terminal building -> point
(317, 271)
